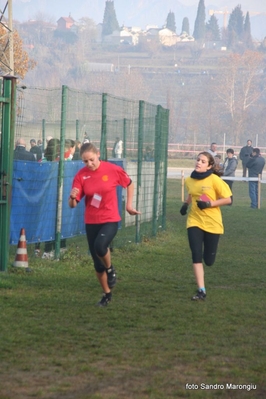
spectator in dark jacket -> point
(36, 150)
(76, 156)
(230, 165)
(255, 166)
(244, 155)
(20, 152)
(40, 145)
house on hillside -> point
(65, 23)
(167, 37)
(152, 31)
(113, 39)
(129, 36)
(184, 37)
(125, 35)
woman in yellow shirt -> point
(206, 193)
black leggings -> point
(197, 238)
(99, 237)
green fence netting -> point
(65, 113)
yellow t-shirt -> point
(209, 219)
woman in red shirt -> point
(97, 181)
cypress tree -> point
(110, 23)
(212, 29)
(235, 26)
(170, 21)
(247, 38)
(185, 26)
(199, 27)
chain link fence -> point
(65, 113)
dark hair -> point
(256, 150)
(86, 147)
(69, 143)
(52, 150)
(230, 150)
(32, 141)
(211, 162)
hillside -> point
(139, 12)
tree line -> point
(237, 33)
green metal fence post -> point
(165, 135)
(140, 151)
(61, 172)
(157, 162)
(77, 129)
(124, 138)
(103, 145)
(6, 165)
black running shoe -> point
(199, 295)
(106, 298)
(111, 277)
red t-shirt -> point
(99, 188)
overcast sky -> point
(246, 5)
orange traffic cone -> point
(21, 259)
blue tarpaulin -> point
(34, 201)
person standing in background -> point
(213, 149)
(69, 149)
(244, 155)
(255, 165)
(118, 148)
(35, 149)
(48, 138)
(76, 156)
(20, 152)
(229, 167)
(40, 145)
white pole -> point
(224, 147)
(257, 139)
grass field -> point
(152, 340)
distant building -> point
(113, 39)
(167, 37)
(184, 37)
(152, 31)
(134, 35)
(65, 23)
(128, 36)
(148, 27)
(125, 35)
